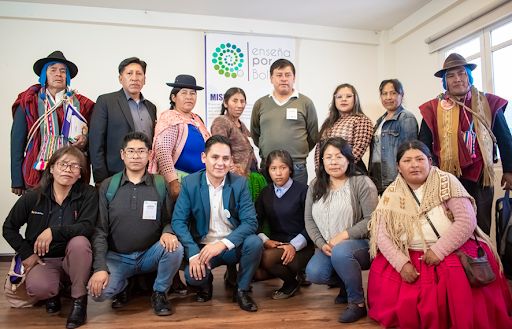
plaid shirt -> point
(356, 130)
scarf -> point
(28, 100)
(397, 208)
(448, 109)
(172, 118)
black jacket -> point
(110, 122)
(84, 201)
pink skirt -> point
(440, 298)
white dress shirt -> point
(220, 226)
(58, 96)
(295, 94)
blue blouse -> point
(190, 158)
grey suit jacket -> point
(110, 122)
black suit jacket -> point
(110, 122)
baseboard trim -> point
(6, 257)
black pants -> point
(483, 198)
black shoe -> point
(78, 313)
(160, 303)
(279, 294)
(230, 276)
(352, 313)
(53, 304)
(303, 279)
(342, 297)
(205, 294)
(123, 298)
(245, 301)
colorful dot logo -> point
(228, 60)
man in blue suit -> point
(215, 221)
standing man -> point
(133, 231)
(462, 127)
(285, 120)
(55, 73)
(215, 220)
(118, 114)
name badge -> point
(291, 114)
(149, 211)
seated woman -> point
(416, 279)
(281, 205)
(339, 204)
(60, 213)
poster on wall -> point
(242, 61)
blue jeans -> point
(300, 172)
(344, 267)
(156, 258)
(248, 254)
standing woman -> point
(60, 213)
(393, 128)
(339, 204)
(228, 124)
(347, 120)
(180, 136)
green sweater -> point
(272, 131)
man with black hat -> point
(38, 119)
(462, 127)
(118, 114)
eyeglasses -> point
(131, 153)
(72, 167)
(346, 96)
(337, 159)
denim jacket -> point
(402, 127)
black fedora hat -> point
(56, 56)
(185, 81)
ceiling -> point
(374, 15)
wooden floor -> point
(313, 307)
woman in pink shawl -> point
(180, 136)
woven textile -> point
(356, 130)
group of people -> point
(170, 195)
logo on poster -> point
(228, 60)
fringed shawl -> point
(398, 209)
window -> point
(491, 50)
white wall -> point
(173, 44)
(101, 38)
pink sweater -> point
(461, 230)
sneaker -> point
(352, 313)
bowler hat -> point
(56, 56)
(452, 61)
(185, 81)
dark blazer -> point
(191, 217)
(110, 122)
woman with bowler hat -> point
(180, 135)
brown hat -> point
(452, 61)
